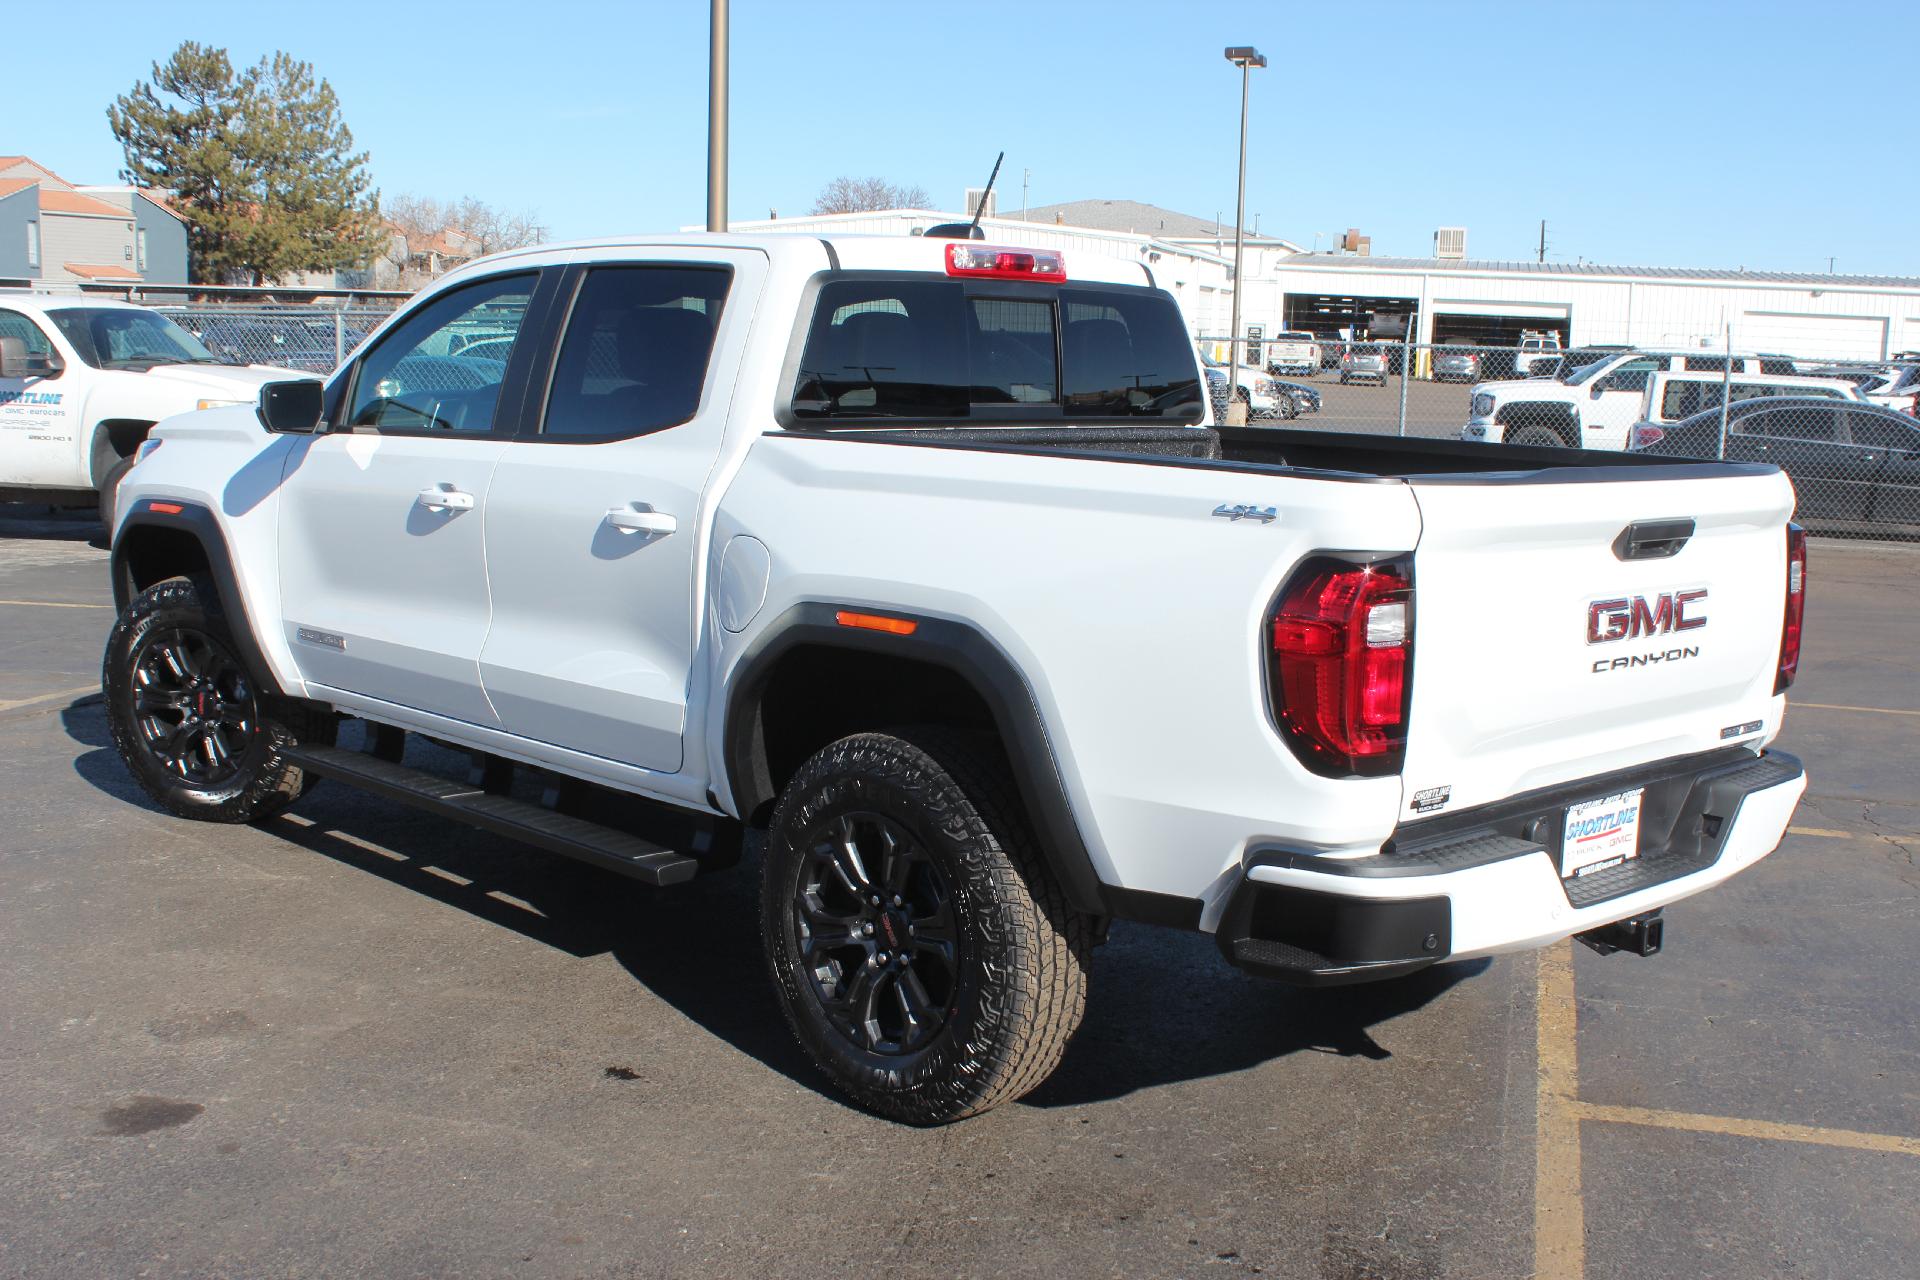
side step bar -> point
(516, 819)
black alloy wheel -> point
(922, 950)
(193, 709)
(189, 721)
(874, 921)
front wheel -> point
(923, 953)
(186, 718)
(1542, 437)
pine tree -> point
(260, 165)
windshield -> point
(1576, 367)
(118, 338)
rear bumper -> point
(1486, 881)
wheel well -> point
(817, 694)
(114, 439)
(149, 554)
(1554, 417)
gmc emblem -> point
(1629, 619)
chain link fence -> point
(310, 338)
(1847, 432)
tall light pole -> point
(717, 119)
(1246, 58)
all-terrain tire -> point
(1018, 983)
(177, 626)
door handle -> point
(630, 520)
(445, 500)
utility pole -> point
(1026, 175)
(1829, 266)
(717, 119)
(1246, 59)
(1543, 239)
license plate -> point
(1600, 834)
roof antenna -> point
(980, 206)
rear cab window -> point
(924, 347)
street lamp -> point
(1246, 58)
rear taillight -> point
(1645, 434)
(1341, 658)
(1796, 608)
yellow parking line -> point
(49, 697)
(53, 604)
(1835, 706)
(1559, 1221)
(1826, 833)
(1774, 1129)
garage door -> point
(1815, 337)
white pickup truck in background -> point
(1293, 354)
(82, 380)
(917, 557)
(1599, 394)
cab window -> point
(441, 368)
(15, 325)
(634, 356)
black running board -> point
(589, 842)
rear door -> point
(1892, 441)
(1543, 656)
(595, 521)
(1832, 477)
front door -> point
(594, 520)
(1616, 401)
(40, 416)
(382, 564)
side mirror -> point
(1600, 388)
(293, 407)
(15, 362)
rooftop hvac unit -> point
(1450, 242)
(973, 201)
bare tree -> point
(434, 234)
(861, 195)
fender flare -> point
(198, 522)
(969, 654)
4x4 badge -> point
(1247, 511)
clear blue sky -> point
(1686, 133)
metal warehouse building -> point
(1836, 317)
(1491, 303)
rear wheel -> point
(186, 718)
(924, 955)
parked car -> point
(1855, 467)
(1537, 355)
(1892, 386)
(1593, 402)
(1456, 364)
(1254, 389)
(1049, 653)
(1293, 352)
(83, 380)
(1363, 362)
(1302, 398)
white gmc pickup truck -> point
(82, 380)
(921, 558)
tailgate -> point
(1542, 656)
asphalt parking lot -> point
(354, 1040)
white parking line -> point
(49, 697)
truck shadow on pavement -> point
(1165, 1008)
